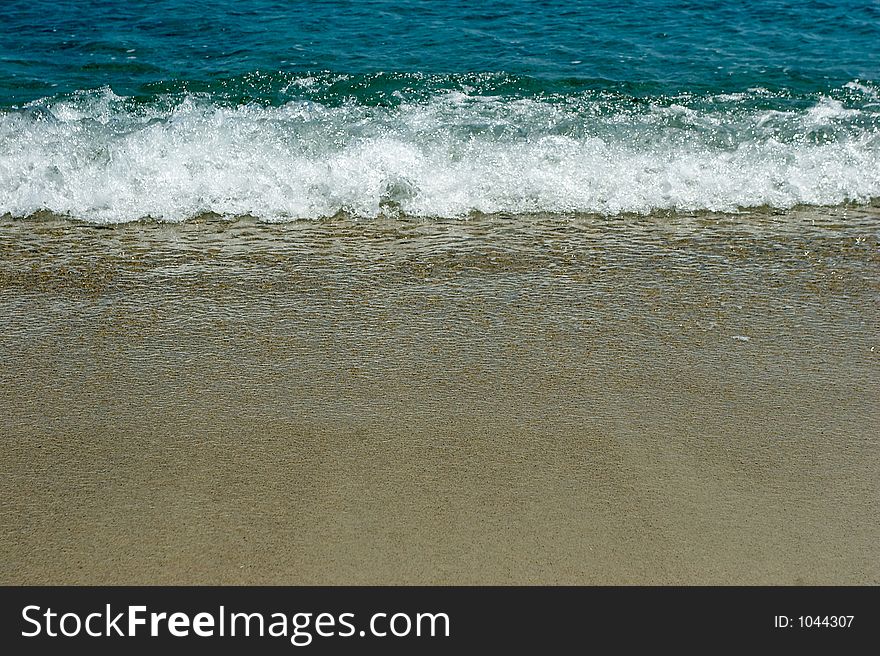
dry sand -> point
(660, 400)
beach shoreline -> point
(672, 399)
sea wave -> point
(100, 157)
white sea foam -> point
(103, 158)
(827, 110)
(870, 92)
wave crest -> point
(104, 158)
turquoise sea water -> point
(114, 111)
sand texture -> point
(584, 400)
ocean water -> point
(169, 110)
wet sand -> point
(654, 400)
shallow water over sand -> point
(544, 399)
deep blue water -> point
(303, 109)
(664, 46)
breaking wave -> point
(100, 157)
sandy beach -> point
(672, 399)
